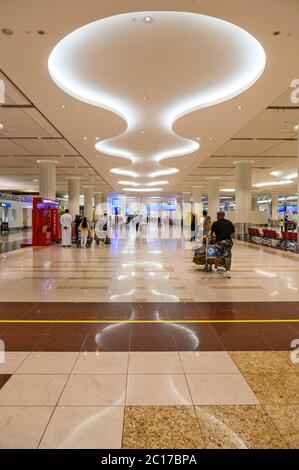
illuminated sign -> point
(5, 204)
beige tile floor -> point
(158, 400)
(157, 271)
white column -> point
(254, 204)
(122, 205)
(197, 204)
(186, 209)
(88, 203)
(74, 195)
(213, 196)
(243, 196)
(47, 179)
(275, 209)
(97, 204)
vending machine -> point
(45, 222)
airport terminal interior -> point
(149, 275)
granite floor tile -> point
(250, 342)
(107, 341)
(32, 390)
(206, 362)
(60, 343)
(84, 428)
(286, 419)
(153, 343)
(260, 362)
(12, 361)
(101, 363)
(48, 363)
(22, 427)
(192, 342)
(161, 427)
(220, 389)
(155, 363)
(20, 342)
(146, 390)
(94, 390)
(238, 427)
(3, 379)
(274, 389)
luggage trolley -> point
(211, 255)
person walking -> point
(66, 228)
(223, 230)
(78, 220)
(84, 231)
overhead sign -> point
(5, 204)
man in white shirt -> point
(66, 228)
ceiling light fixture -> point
(276, 173)
(148, 19)
(7, 31)
(85, 138)
(245, 65)
(272, 183)
(1, 126)
(227, 190)
(239, 106)
(142, 190)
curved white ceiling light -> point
(142, 190)
(153, 73)
(272, 183)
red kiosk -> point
(45, 222)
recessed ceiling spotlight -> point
(35, 181)
(296, 127)
(197, 138)
(1, 126)
(7, 31)
(239, 106)
(148, 19)
(144, 97)
(210, 139)
(62, 106)
(97, 138)
(37, 161)
(142, 132)
(85, 138)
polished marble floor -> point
(149, 400)
(133, 346)
(14, 240)
(160, 270)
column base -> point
(241, 230)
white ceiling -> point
(215, 126)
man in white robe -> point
(66, 228)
